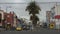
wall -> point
(57, 10)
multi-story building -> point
(8, 18)
(11, 19)
(56, 9)
(49, 17)
(1, 17)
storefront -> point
(8, 26)
(57, 21)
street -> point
(39, 30)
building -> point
(48, 16)
(15, 20)
(56, 9)
(8, 18)
(11, 19)
(1, 17)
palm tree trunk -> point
(34, 22)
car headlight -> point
(18, 28)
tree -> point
(33, 9)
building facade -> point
(1, 17)
(8, 18)
(56, 9)
(48, 16)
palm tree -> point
(33, 9)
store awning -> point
(57, 17)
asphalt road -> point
(41, 30)
(37, 30)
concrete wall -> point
(57, 10)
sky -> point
(19, 7)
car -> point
(19, 28)
(2, 29)
(26, 27)
(13, 28)
(44, 25)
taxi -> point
(18, 28)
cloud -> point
(20, 8)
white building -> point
(1, 16)
(56, 10)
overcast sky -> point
(19, 9)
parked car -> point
(19, 28)
(26, 27)
(44, 25)
(13, 28)
(2, 29)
